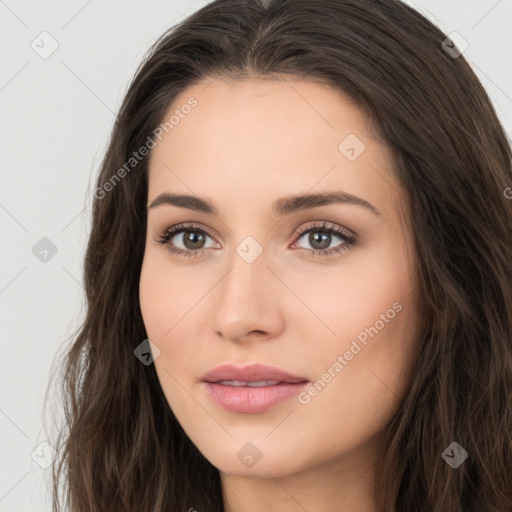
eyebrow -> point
(282, 206)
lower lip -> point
(252, 399)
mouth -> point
(252, 389)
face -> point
(324, 288)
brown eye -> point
(321, 236)
(193, 239)
(185, 240)
(319, 239)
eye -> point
(192, 240)
(321, 237)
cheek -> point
(369, 314)
(172, 311)
(164, 293)
(345, 299)
(153, 299)
(358, 385)
(163, 302)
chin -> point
(257, 459)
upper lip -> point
(250, 373)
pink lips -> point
(251, 399)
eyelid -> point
(183, 226)
(328, 226)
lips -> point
(252, 389)
(253, 373)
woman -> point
(298, 274)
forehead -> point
(292, 106)
(262, 136)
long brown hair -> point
(122, 449)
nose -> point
(248, 303)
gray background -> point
(56, 116)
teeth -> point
(250, 384)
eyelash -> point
(348, 240)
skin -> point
(246, 144)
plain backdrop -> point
(56, 114)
